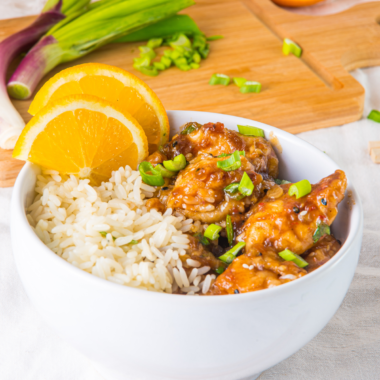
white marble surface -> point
(347, 349)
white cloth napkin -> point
(347, 349)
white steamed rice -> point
(92, 228)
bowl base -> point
(108, 374)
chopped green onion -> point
(181, 42)
(196, 58)
(184, 67)
(191, 127)
(239, 81)
(104, 234)
(204, 52)
(195, 65)
(159, 66)
(214, 38)
(164, 172)
(288, 255)
(233, 191)
(180, 61)
(246, 186)
(147, 51)
(141, 62)
(154, 179)
(247, 130)
(281, 181)
(322, 230)
(291, 47)
(151, 70)
(212, 231)
(229, 230)
(231, 163)
(199, 42)
(220, 270)
(133, 242)
(203, 240)
(300, 189)
(374, 115)
(177, 164)
(175, 54)
(220, 79)
(154, 43)
(230, 255)
(248, 87)
(166, 61)
(241, 152)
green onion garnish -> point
(281, 181)
(300, 189)
(241, 153)
(177, 164)
(212, 231)
(374, 115)
(147, 51)
(230, 255)
(214, 38)
(229, 230)
(154, 43)
(220, 270)
(104, 234)
(231, 163)
(233, 191)
(133, 242)
(291, 47)
(239, 81)
(164, 172)
(322, 230)
(246, 186)
(153, 179)
(288, 255)
(203, 240)
(220, 79)
(248, 87)
(247, 130)
(190, 129)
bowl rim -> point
(355, 228)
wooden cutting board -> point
(297, 95)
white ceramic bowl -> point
(135, 334)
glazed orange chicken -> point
(270, 231)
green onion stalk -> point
(91, 30)
(11, 122)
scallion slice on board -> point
(374, 115)
(322, 230)
(212, 232)
(150, 175)
(290, 46)
(220, 79)
(288, 255)
(89, 31)
(246, 186)
(250, 86)
(300, 189)
(230, 255)
(231, 163)
(239, 81)
(229, 230)
(177, 164)
(247, 130)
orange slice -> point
(82, 135)
(114, 85)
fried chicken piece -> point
(322, 252)
(215, 139)
(289, 223)
(199, 190)
(277, 224)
